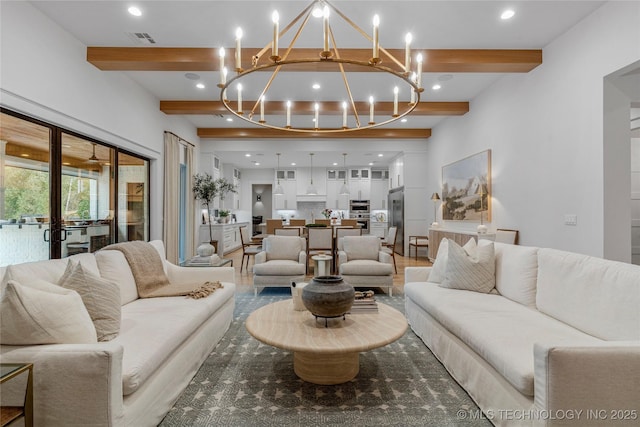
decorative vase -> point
(205, 249)
(328, 296)
(224, 219)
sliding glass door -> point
(25, 180)
(62, 193)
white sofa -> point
(134, 379)
(557, 344)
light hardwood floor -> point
(244, 279)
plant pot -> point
(224, 219)
(205, 249)
(328, 296)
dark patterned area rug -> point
(247, 383)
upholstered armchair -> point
(362, 263)
(282, 261)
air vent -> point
(142, 38)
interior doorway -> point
(261, 204)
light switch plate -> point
(571, 219)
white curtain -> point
(171, 195)
(190, 209)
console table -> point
(459, 236)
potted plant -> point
(224, 215)
(205, 189)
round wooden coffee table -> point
(325, 355)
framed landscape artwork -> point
(466, 189)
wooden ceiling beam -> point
(206, 59)
(264, 133)
(306, 108)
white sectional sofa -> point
(556, 343)
(134, 379)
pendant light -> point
(311, 189)
(344, 190)
(279, 191)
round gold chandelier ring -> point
(377, 67)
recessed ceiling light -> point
(229, 119)
(313, 120)
(135, 11)
(257, 163)
(316, 86)
(66, 163)
(436, 87)
(507, 14)
(200, 85)
(380, 155)
(247, 155)
(293, 164)
(334, 164)
(24, 155)
(403, 120)
(370, 163)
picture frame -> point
(466, 189)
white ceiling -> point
(434, 25)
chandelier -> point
(357, 107)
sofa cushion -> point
(279, 267)
(439, 270)
(101, 298)
(501, 331)
(49, 270)
(516, 272)
(471, 269)
(366, 267)
(153, 328)
(114, 267)
(43, 313)
(597, 296)
(361, 247)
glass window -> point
(133, 200)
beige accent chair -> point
(282, 261)
(362, 263)
(389, 245)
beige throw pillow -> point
(470, 269)
(101, 298)
(43, 314)
(439, 269)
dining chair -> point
(298, 222)
(389, 245)
(349, 222)
(416, 242)
(287, 231)
(249, 249)
(323, 221)
(505, 235)
(319, 240)
(272, 224)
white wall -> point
(545, 130)
(44, 74)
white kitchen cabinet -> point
(379, 193)
(335, 180)
(360, 184)
(227, 235)
(378, 229)
(288, 181)
(232, 200)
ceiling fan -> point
(93, 158)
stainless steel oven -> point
(364, 224)
(359, 206)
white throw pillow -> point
(470, 269)
(439, 269)
(100, 297)
(44, 314)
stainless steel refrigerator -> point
(396, 216)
